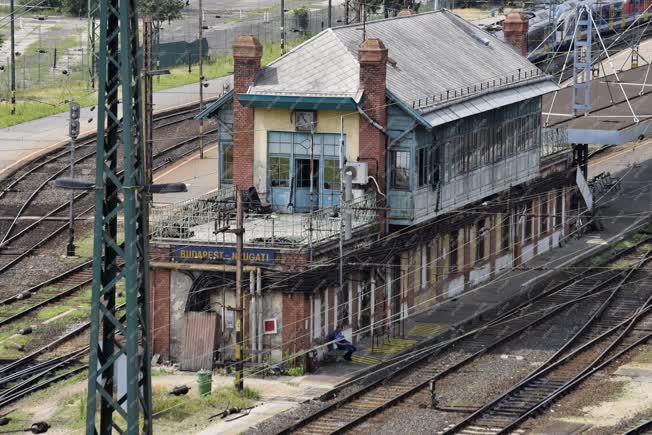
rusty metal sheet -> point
(200, 341)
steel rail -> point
(454, 367)
(640, 428)
(63, 227)
(49, 281)
(45, 302)
(24, 361)
(353, 396)
(593, 367)
(552, 362)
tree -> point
(161, 10)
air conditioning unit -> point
(359, 172)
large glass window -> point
(279, 169)
(400, 170)
(227, 163)
(476, 141)
(423, 166)
(332, 174)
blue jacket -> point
(337, 336)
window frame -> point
(275, 170)
(403, 171)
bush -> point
(296, 371)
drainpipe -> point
(372, 306)
(252, 315)
(388, 279)
(259, 299)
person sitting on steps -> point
(342, 344)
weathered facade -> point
(453, 185)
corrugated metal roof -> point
(488, 101)
(322, 66)
(434, 52)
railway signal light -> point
(75, 112)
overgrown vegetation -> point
(166, 408)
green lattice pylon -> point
(119, 378)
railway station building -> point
(452, 182)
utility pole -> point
(119, 333)
(201, 79)
(91, 11)
(73, 132)
(282, 27)
(239, 233)
(330, 13)
(148, 42)
(13, 56)
(346, 11)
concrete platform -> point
(23, 142)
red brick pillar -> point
(515, 29)
(159, 305)
(247, 53)
(372, 56)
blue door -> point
(306, 196)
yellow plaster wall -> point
(328, 121)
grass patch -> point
(18, 420)
(10, 310)
(9, 348)
(166, 408)
(49, 312)
(162, 371)
(39, 103)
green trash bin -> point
(205, 381)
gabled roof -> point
(431, 53)
(320, 67)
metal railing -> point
(454, 95)
(204, 220)
(177, 220)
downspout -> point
(259, 299)
(252, 315)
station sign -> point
(221, 255)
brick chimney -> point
(515, 29)
(372, 56)
(247, 53)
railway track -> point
(33, 187)
(642, 427)
(591, 290)
(614, 327)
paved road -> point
(24, 141)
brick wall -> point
(247, 53)
(515, 28)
